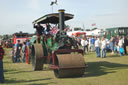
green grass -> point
(112, 70)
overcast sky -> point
(17, 15)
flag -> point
(66, 29)
(54, 30)
(93, 24)
(53, 2)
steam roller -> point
(58, 50)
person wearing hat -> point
(39, 31)
(1, 64)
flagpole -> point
(52, 8)
(84, 27)
(52, 3)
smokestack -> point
(61, 19)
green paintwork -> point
(33, 40)
(50, 44)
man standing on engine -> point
(39, 31)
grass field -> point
(112, 70)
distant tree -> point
(94, 28)
(77, 28)
(82, 29)
(0, 36)
(5, 37)
(87, 29)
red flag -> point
(66, 29)
(54, 30)
(93, 24)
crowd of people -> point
(17, 49)
(102, 45)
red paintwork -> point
(27, 54)
(79, 33)
(21, 39)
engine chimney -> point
(61, 19)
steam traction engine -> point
(59, 50)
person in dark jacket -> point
(39, 31)
(1, 65)
(17, 51)
(125, 44)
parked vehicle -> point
(20, 36)
(120, 31)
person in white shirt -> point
(103, 47)
(84, 44)
(120, 44)
(97, 46)
(89, 40)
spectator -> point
(116, 40)
(87, 44)
(97, 46)
(116, 49)
(93, 42)
(125, 43)
(89, 40)
(112, 41)
(120, 46)
(17, 51)
(84, 44)
(103, 47)
(23, 50)
(12, 54)
(28, 43)
(28, 50)
(1, 65)
(116, 44)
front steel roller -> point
(70, 65)
(37, 57)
